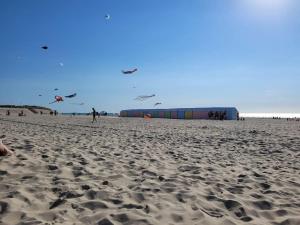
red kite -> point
(57, 99)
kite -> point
(57, 99)
(45, 47)
(82, 103)
(71, 96)
(129, 71)
(107, 17)
(56, 89)
(157, 103)
(40, 95)
(144, 97)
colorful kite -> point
(82, 103)
(129, 71)
(71, 96)
(144, 97)
(57, 99)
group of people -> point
(217, 115)
(19, 114)
(23, 114)
(53, 113)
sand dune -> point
(67, 170)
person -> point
(210, 114)
(217, 115)
(4, 150)
(94, 115)
(7, 112)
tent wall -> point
(168, 115)
(229, 113)
(188, 115)
(174, 115)
(155, 114)
(200, 115)
(180, 114)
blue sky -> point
(189, 53)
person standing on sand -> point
(94, 115)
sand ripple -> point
(67, 170)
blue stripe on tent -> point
(181, 114)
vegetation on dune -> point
(25, 107)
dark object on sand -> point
(85, 187)
(57, 202)
(21, 113)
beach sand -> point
(130, 171)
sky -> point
(196, 53)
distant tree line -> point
(25, 107)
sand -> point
(132, 171)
